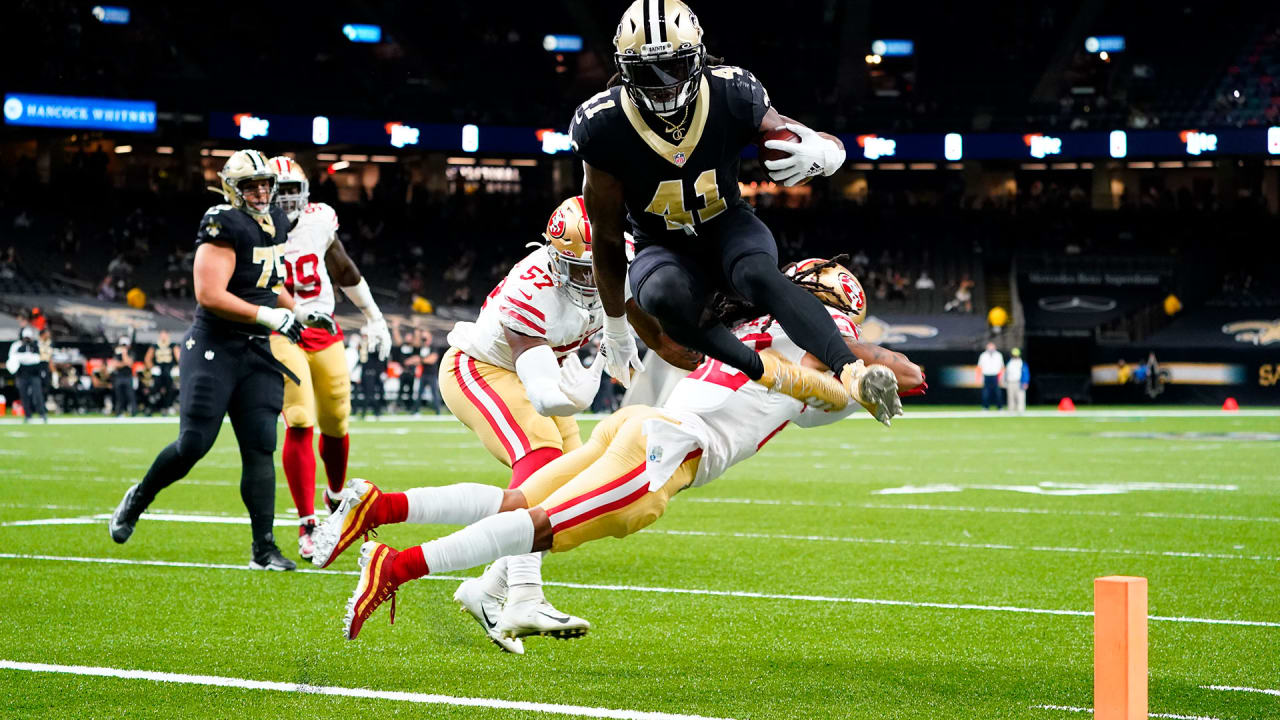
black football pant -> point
(225, 376)
(735, 254)
(31, 392)
(123, 396)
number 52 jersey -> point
(673, 182)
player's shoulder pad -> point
(738, 82)
(322, 214)
(220, 223)
(594, 114)
(524, 309)
(846, 326)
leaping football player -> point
(313, 255)
(621, 480)
(662, 144)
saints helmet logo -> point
(1256, 332)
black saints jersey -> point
(678, 172)
(164, 355)
(259, 274)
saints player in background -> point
(313, 254)
(226, 364)
(160, 359)
(622, 479)
(663, 145)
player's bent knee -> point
(298, 417)
(193, 445)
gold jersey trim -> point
(677, 155)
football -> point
(771, 154)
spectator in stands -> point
(24, 364)
(990, 365)
(1017, 376)
(107, 290)
(963, 300)
(924, 282)
(9, 265)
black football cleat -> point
(125, 516)
(267, 557)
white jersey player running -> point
(314, 254)
(636, 460)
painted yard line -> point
(966, 546)
(287, 522)
(160, 517)
(1171, 716)
(412, 697)
(961, 508)
(913, 415)
(674, 591)
(1232, 688)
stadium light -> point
(320, 130)
(953, 147)
(1118, 144)
(1273, 140)
(562, 43)
(363, 33)
(109, 15)
(470, 138)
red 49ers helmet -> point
(833, 284)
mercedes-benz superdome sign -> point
(82, 113)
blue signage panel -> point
(562, 43)
(363, 33)
(82, 113)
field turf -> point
(793, 587)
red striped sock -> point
(409, 565)
(391, 508)
(333, 451)
(299, 461)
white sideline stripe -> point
(672, 591)
(1233, 688)
(912, 415)
(161, 517)
(413, 697)
(969, 546)
(1171, 716)
(627, 489)
(961, 508)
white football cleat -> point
(486, 609)
(537, 617)
(875, 388)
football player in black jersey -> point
(226, 364)
(663, 145)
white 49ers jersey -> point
(728, 416)
(526, 302)
(307, 244)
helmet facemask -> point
(292, 196)
(254, 208)
(665, 82)
(576, 277)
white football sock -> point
(494, 579)
(460, 504)
(508, 533)
(524, 577)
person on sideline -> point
(990, 364)
(1016, 378)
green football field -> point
(939, 569)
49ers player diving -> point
(313, 255)
(621, 480)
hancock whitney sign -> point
(83, 113)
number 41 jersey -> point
(673, 182)
(526, 302)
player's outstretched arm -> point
(344, 272)
(909, 375)
(602, 194)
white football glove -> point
(813, 155)
(313, 319)
(379, 337)
(579, 383)
(281, 320)
(619, 350)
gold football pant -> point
(323, 398)
(600, 489)
(492, 402)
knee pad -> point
(193, 445)
(753, 273)
(296, 416)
